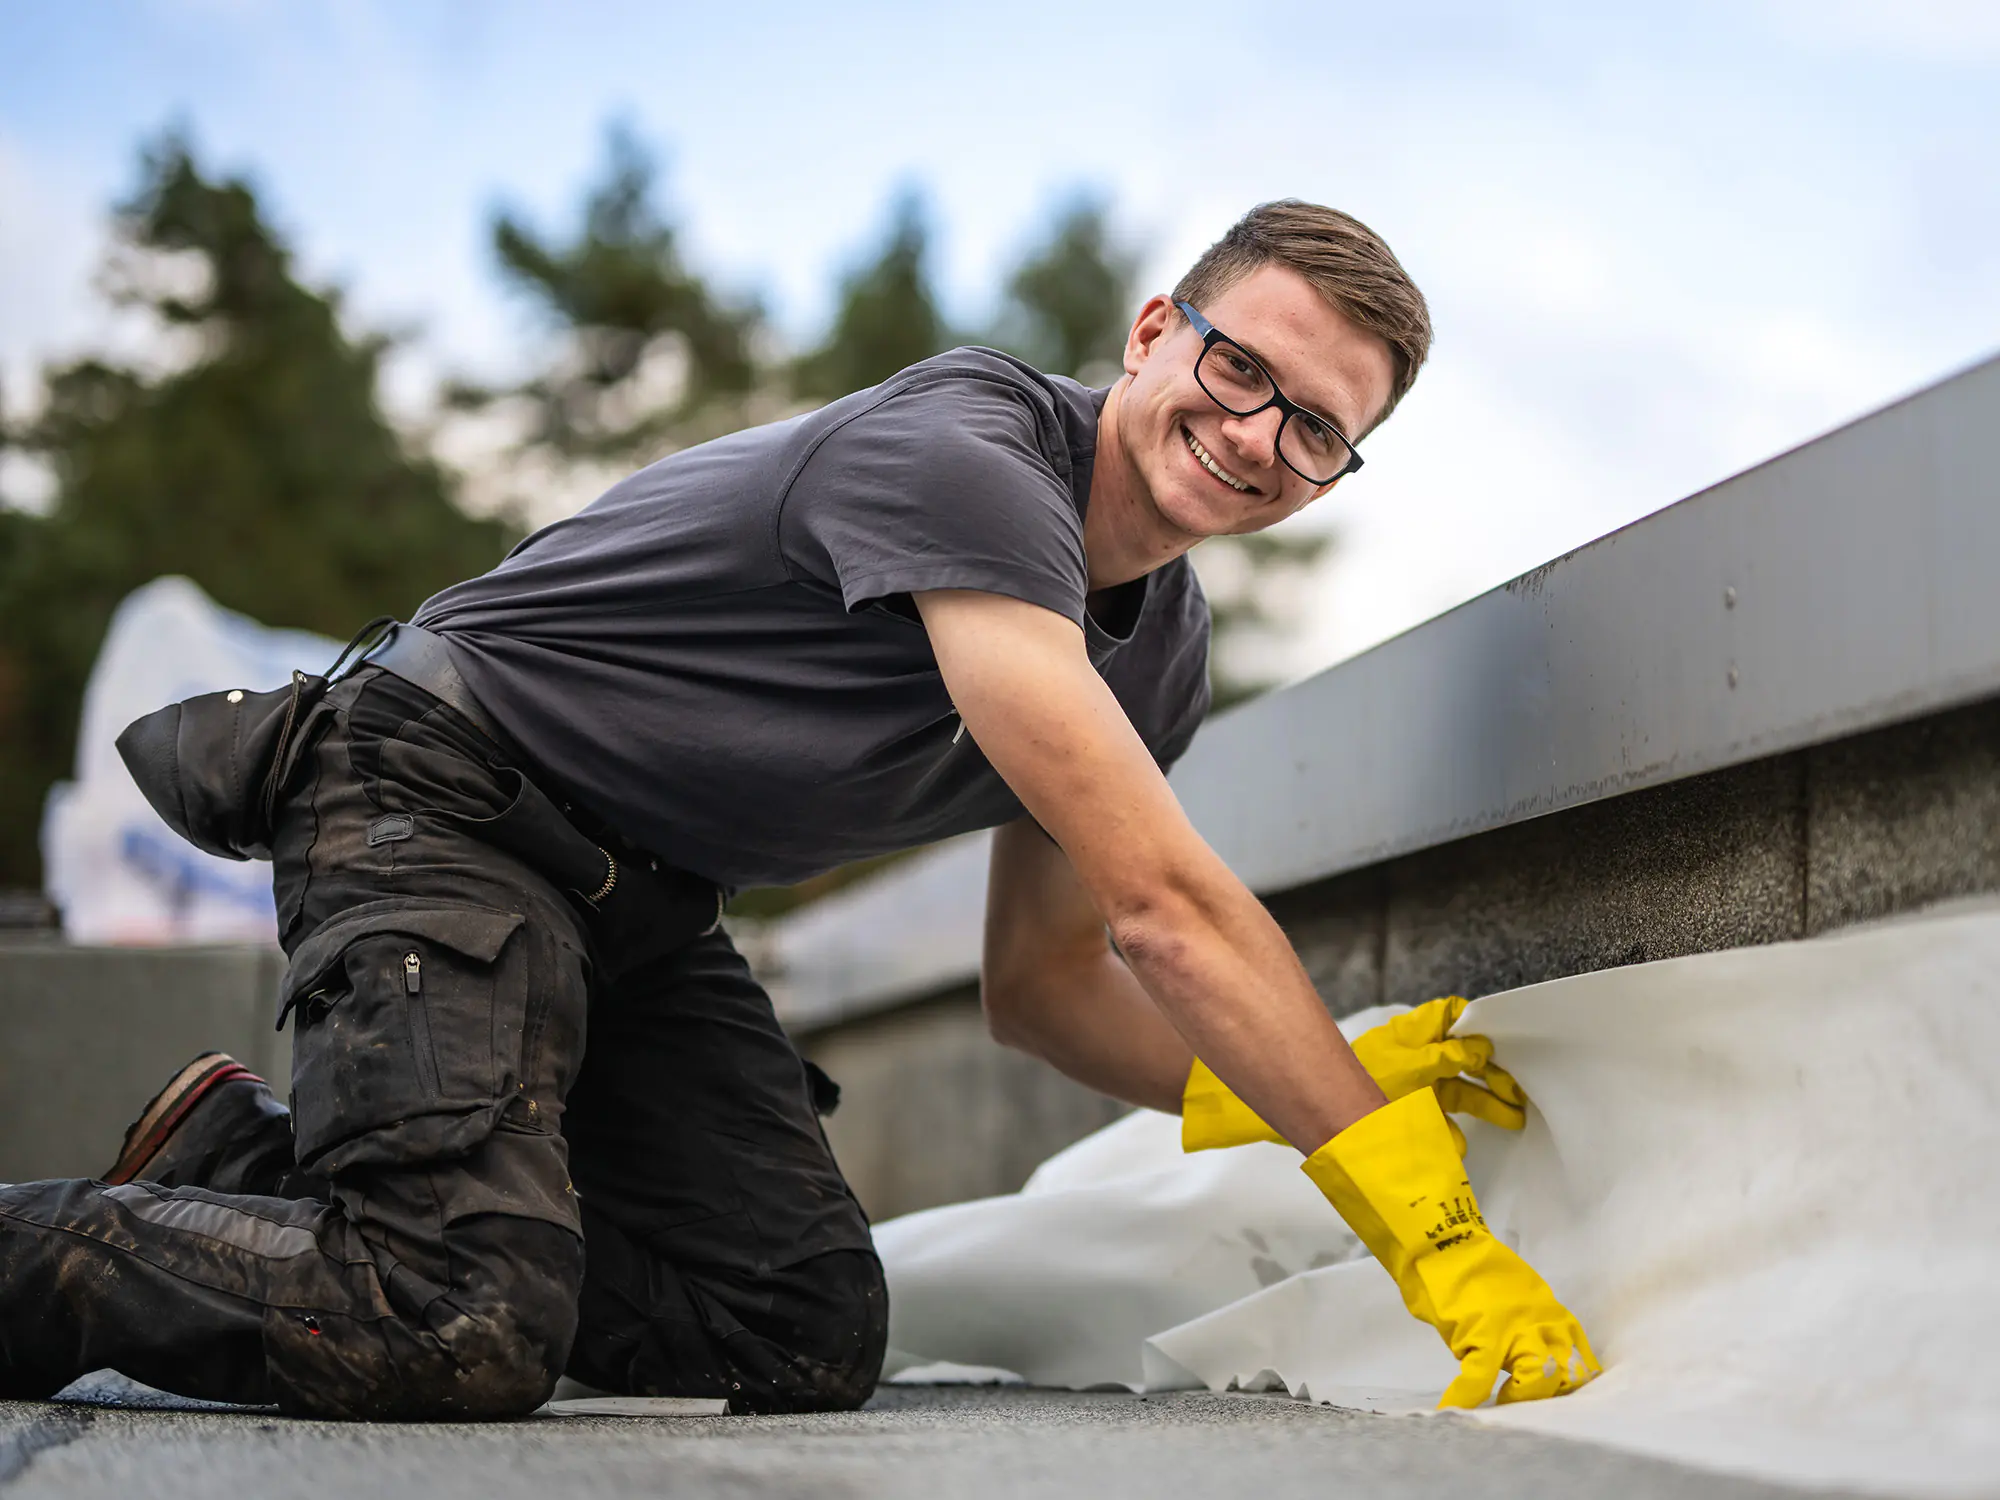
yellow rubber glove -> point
(1212, 1116)
(1402, 1055)
(1416, 1048)
(1394, 1178)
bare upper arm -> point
(1023, 683)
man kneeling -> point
(958, 600)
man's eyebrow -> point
(1264, 360)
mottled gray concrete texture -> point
(90, 1033)
(1903, 817)
(1339, 929)
(932, 1111)
(913, 1442)
(1777, 849)
(1712, 862)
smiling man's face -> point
(1205, 472)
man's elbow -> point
(1155, 925)
(1005, 1002)
(1024, 988)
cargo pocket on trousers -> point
(407, 1025)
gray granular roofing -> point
(928, 1442)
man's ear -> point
(1155, 321)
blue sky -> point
(1661, 242)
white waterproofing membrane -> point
(1765, 1179)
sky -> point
(1660, 242)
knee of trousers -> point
(505, 1359)
(830, 1314)
(488, 1349)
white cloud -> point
(51, 238)
(1660, 245)
(1962, 33)
(1629, 307)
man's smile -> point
(1203, 457)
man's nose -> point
(1255, 436)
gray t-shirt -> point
(719, 656)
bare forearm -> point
(1227, 979)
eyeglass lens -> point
(1238, 384)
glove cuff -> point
(1212, 1116)
(1396, 1178)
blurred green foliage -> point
(626, 303)
(259, 466)
(888, 316)
(1069, 302)
(257, 461)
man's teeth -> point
(1195, 447)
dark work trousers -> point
(471, 1204)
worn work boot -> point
(215, 1125)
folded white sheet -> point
(1764, 1178)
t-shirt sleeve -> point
(945, 485)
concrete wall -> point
(91, 1033)
(1765, 852)
(1776, 849)
(933, 1111)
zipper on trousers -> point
(421, 1051)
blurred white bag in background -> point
(119, 874)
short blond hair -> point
(1342, 259)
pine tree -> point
(1067, 304)
(261, 467)
(629, 311)
(888, 316)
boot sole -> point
(164, 1113)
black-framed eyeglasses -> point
(1311, 446)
